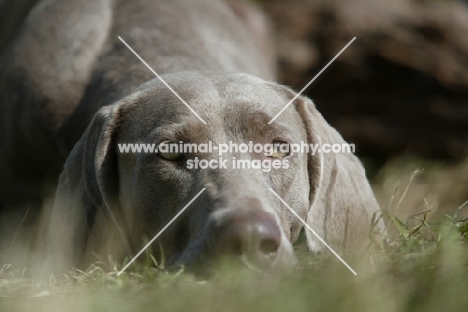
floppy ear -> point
(341, 200)
(88, 185)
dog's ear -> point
(341, 200)
(88, 185)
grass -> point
(421, 266)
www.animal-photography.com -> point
(233, 155)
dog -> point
(71, 92)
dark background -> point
(401, 87)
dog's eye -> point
(170, 151)
(172, 156)
(280, 149)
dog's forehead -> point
(231, 101)
(211, 89)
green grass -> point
(421, 266)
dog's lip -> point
(199, 260)
(245, 260)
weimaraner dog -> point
(71, 91)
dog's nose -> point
(253, 235)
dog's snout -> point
(254, 235)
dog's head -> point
(103, 190)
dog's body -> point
(67, 63)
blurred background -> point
(399, 92)
(402, 87)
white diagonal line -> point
(316, 76)
(162, 80)
(160, 232)
(313, 232)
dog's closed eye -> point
(278, 149)
(167, 151)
